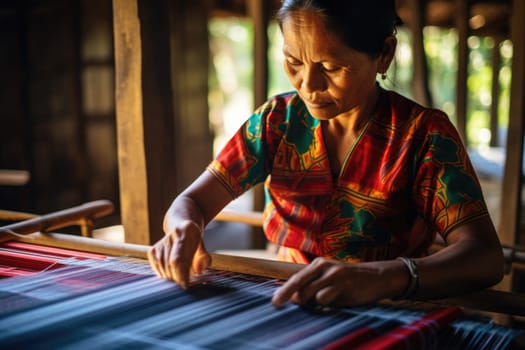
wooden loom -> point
(446, 310)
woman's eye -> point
(327, 67)
(293, 61)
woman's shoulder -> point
(284, 107)
(401, 102)
(402, 109)
(287, 97)
(281, 101)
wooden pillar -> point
(510, 225)
(462, 26)
(512, 180)
(164, 140)
(143, 127)
(259, 12)
(420, 86)
(496, 63)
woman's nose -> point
(313, 79)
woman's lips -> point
(317, 104)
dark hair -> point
(361, 24)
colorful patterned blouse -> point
(406, 178)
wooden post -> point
(420, 88)
(259, 12)
(462, 17)
(128, 95)
(509, 227)
(496, 65)
(512, 181)
(164, 140)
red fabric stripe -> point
(353, 339)
(12, 272)
(409, 336)
(28, 262)
(58, 252)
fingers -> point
(179, 261)
(158, 255)
(174, 256)
(305, 285)
(154, 258)
(201, 260)
(335, 283)
(188, 256)
(328, 296)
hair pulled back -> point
(362, 25)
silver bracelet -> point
(413, 283)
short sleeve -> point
(246, 159)
(447, 189)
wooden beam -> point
(82, 215)
(496, 65)
(512, 179)
(420, 86)
(253, 218)
(10, 177)
(259, 11)
(128, 95)
(509, 227)
(164, 139)
(144, 116)
(462, 26)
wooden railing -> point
(82, 215)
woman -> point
(358, 180)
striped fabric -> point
(95, 302)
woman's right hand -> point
(180, 253)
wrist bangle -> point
(413, 283)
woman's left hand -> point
(472, 260)
(335, 283)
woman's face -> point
(330, 77)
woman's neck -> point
(352, 121)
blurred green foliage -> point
(231, 78)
